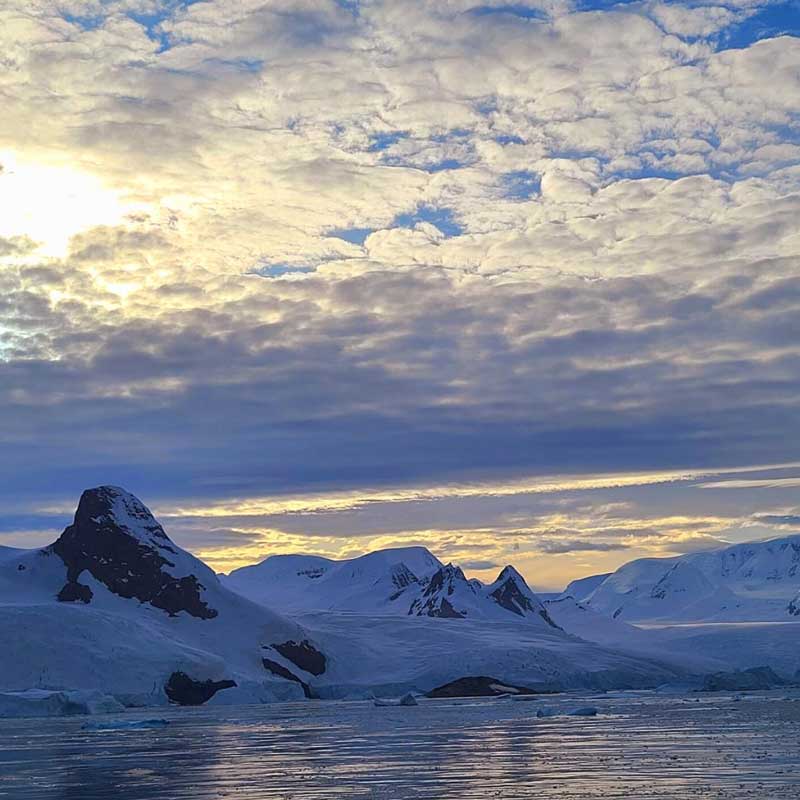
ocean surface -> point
(641, 745)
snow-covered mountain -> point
(369, 583)
(755, 581)
(114, 604)
(580, 620)
(582, 587)
(403, 581)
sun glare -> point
(49, 203)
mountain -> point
(448, 593)
(115, 604)
(582, 621)
(512, 593)
(375, 581)
(754, 581)
(581, 588)
(401, 581)
(115, 612)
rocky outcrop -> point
(303, 655)
(402, 577)
(511, 592)
(282, 672)
(436, 599)
(478, 686)
(185, 691)
(116, 539)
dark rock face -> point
(278, 669)
(478, 686)
(184, 691)
(753, 679)
(304, 655)
(794, 607)
(510, 596)
(72, 592)
(434, 602)
(131, 564)
(403, 577)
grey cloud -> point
(694, 544)
(213, 538)
(479, 565)
(779, 520)
(553, 547)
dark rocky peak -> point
(445, 579)
(402, 577)
(510, 573)
(117, 540)
(438, 597)
(511, 592)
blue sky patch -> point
(353, 235)
(85, 22)
(254, 65)
(512, 9)
(441, 166)
(281, 269)
(505, 139)
(383, 141)
(521, 184)
(771, 21)
(442, 218)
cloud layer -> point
(254, 249)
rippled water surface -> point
(640, 746)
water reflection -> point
(639, 747)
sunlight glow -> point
(49, 203)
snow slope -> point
(581, 588)
(751, 582)
(114, 604)
(580, 620)
(392, 655)
(402, 581)
(295, 583)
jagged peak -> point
(447, 575)
(116, 539)
(511, 592)
(453, 571)
(510, 573)
(112, 505)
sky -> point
(516, 281)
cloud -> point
(557, 547)
(791, 521)
(694, 544)
(572, 251)
(478, 565)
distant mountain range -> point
(407, 581)
(115, 606)
(751, 582)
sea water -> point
(640, 745)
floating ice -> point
(124, 724)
